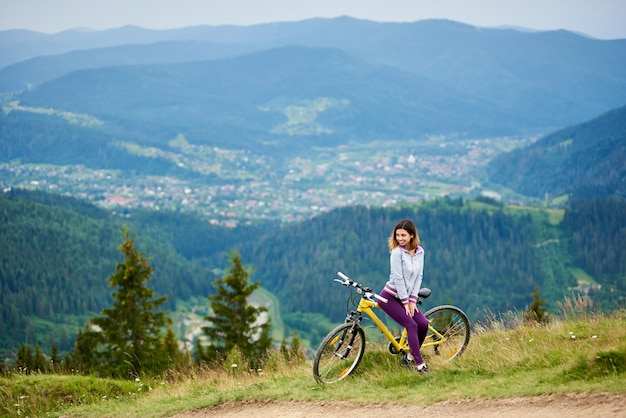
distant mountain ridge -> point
(34, 71)
(559, 77)
(249, 94)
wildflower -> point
(136, 379)
(234, 365)
(594, 337)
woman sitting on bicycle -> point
(405, 278)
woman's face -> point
(403, 237)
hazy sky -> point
(605, 19)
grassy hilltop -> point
(579, 353)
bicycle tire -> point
(453, 324)
(339, 354)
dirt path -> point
(547, 406)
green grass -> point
(72, 118)
(505, 358)
(41, 395)
(553, 215)
(582, 276)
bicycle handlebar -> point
(367, 292)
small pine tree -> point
(84, 357)
(296, 352)
(199, 352)
(235, 324)
(39, 360)
(24, 360)
(131, 328)
(536, 312)
(170, 346)
(284, 350)
(54, 358)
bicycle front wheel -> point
(452, 324)
(340, 353)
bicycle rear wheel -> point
(340, 353)
(453, 325)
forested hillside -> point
(587, 160)
(598, 233)
(27, 138)
(57, 254)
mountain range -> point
(395, 80)
(281, 89)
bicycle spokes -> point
(339, 354)
(448, 331)
(334, 341)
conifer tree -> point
(39, 360)
(131, 330)
(536, 311)
(84, 357)
(170, 346)
(199, 351)
(24, 359)
(284, 349)
(297, 354)
(54, 358)
(235, 324)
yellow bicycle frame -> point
(365, 306)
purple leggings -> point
(416, 326)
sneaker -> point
(423, 368)
(408, 361)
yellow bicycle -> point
(341, 351)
